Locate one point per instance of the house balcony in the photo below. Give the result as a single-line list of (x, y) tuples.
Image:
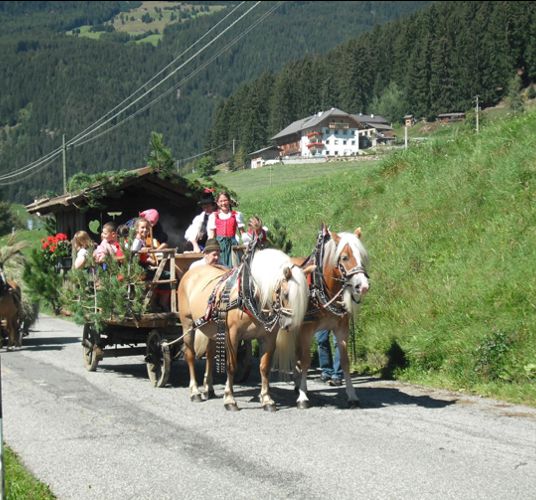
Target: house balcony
[(315, 145), (315, 133)]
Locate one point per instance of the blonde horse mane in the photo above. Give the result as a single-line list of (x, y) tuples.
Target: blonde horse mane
[(268, 271)]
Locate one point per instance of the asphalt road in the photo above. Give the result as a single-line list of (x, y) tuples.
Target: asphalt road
[(111, 435)]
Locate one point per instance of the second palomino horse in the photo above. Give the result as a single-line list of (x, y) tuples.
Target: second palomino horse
[(266, 295), (339, 282)]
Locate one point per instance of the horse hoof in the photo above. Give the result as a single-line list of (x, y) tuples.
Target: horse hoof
[(271, 407), (209, 395), (196, 398), (354, 404), (303, 405), (231, 407)]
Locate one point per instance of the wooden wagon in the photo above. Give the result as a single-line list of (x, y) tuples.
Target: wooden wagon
[(156, 335)]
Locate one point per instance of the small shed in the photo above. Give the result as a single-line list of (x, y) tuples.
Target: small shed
[(174, 198)]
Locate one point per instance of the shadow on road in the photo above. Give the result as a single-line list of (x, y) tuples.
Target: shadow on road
[(320, 394), (46, 343)]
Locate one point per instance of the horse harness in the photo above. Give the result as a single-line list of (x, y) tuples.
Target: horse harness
[(219, 303), (318, 292)]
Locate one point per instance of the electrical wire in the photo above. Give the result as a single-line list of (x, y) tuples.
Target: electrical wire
[(92, 128), (160, 72), (35, 164), (185, 79)]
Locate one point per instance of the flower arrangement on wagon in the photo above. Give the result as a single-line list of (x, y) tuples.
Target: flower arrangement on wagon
[(56, 248), (115, 290), (41, 270)]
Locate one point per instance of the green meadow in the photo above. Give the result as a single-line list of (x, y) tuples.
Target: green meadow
[(450, 226)]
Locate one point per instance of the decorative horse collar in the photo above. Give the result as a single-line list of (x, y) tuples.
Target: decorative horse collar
[(219, 301)]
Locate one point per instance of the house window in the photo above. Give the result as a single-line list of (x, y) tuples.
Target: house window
[(336, 142), (336, 153), (327, 142), (353, 143), (344, 142)]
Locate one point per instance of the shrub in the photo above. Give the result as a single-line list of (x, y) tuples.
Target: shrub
[(42, 270)]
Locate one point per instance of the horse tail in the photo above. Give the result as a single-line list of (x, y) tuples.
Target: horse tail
[(285, 353)]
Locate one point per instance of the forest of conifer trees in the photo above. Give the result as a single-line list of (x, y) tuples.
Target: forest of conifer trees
[(435, 62), (54, 84)]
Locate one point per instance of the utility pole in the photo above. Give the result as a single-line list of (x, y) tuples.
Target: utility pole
[(476, 111), (405, 137), (64, 155), (233, 147)]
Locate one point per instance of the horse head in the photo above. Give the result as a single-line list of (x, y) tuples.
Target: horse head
[(280, 286), (347, 258)]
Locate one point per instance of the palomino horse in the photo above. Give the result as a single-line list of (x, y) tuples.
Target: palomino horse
[(265, 294), (338, 284), (10, 309)]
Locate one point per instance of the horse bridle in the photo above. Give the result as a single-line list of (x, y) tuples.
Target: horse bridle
[(319, 288)]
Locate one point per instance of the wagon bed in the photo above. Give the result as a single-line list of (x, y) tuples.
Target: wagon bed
[(156, 335)]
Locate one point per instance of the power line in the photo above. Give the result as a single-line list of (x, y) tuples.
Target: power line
[(87, 132), (185, 79), (161, 71), (108, 120)]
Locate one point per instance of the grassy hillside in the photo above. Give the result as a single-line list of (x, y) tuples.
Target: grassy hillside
[(451, 230)]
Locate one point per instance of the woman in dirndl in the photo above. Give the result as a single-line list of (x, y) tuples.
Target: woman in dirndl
[(226, 225)]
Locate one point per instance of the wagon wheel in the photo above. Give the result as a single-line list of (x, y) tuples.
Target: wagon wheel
[(90, 350), (243, 365), (158, 359)]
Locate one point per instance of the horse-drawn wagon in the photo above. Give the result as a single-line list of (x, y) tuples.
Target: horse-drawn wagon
[(155, 335)]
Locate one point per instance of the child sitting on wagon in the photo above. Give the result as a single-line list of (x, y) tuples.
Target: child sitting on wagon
[(109, 244), (139, 245), (256, 230), (81, 244)]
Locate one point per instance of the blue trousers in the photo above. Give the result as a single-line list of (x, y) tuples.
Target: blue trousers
[(330, 366)]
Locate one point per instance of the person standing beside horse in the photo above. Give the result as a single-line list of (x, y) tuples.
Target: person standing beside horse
[(224, 225)]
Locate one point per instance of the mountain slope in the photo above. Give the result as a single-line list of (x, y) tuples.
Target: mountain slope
[(56, 84), (450, 228)]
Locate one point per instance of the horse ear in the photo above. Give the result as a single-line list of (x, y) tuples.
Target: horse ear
[(357, 232), (309, 269), (287, 273), (335, 237)]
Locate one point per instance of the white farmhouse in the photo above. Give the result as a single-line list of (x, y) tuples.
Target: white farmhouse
[(327, 133)]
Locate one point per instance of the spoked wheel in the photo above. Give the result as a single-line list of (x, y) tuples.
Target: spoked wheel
[(158, 359), (244, 359), (90, 350)]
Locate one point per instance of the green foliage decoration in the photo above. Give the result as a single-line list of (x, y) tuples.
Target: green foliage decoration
[(206, 166), (97, 186), (99, 293), (42, 271), (278, 237), (160, 158)]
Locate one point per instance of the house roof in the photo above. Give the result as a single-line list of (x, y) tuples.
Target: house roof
[(172, 191), (314, 120), (263, 150), (370, 118)]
